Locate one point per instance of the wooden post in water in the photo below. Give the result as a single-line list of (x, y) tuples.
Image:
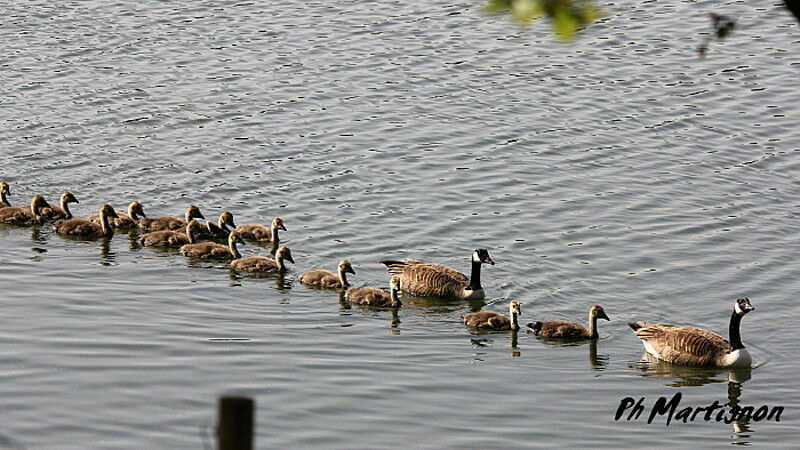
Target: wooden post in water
[(235, 427)]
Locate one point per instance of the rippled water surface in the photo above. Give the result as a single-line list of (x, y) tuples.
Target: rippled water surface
[(620, 170)]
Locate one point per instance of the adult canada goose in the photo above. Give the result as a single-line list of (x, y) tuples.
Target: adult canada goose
[(687, 346), (490, 320), (125, 221), (212, 250), (436, 280), (170, 222), (86, 228), (326, 279), (220, 229), (262, 264), (169, 238), (25, 215), (5, 191), (53, 213), (563, 329), (369, 296), (260, 232)]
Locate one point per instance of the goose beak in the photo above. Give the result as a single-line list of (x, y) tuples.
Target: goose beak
[(489, 260)]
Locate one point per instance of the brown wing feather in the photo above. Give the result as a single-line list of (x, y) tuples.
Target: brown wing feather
[(682, 345), (164, 238), (18, 215), (79, 227), (207, 250), (162, 223), (487, 320), (256, 264), (436, 280), (321, 278), (368, 296)]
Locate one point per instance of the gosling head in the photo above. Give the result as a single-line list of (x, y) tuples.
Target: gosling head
[(4, 188), (515, 307), (37, 203), (742, 306), (193, 212), (284, 254), (598, 311), (481, 256), (227, 218), (277, 223), (68, 197), (233, 238), (108, 211), (394, 283), (136, 209), (345, 266), (193, 227)]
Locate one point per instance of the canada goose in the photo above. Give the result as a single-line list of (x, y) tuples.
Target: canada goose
[(369, 296), (87, 228), (169, 238), (436, 280), (687, 346), (25, 215), (220, 229), (212, 250), (326, 279), (490, 320), (260, 232), (5, 190), (125, 221), (563, 329), (262, 264), (169, 222), (53, 213)]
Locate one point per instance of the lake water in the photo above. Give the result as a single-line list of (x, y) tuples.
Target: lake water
[(621, 170)]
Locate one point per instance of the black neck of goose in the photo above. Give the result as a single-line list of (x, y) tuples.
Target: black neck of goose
[(475, 277), (733, 330)]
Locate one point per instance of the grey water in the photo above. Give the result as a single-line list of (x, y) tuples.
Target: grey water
[(622, 170)]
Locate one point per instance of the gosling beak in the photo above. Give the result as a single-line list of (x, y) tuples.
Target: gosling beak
[(603, 315), (290, 259), (282, 227), (350, 270)]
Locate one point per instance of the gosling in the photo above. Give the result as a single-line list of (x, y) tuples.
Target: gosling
[(369, 296), (212, 250), (262, 264), (325, 279)]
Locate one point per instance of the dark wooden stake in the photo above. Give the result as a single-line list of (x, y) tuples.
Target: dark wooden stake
[(235, 427)]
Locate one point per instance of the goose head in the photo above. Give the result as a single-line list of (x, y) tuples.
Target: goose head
[(226, 218), (284, 254), (108, 211), (597, 311), (68, 197), (193, 212), (346, 267), (481, 256), (277, 224), (742, 306), (136, 209)]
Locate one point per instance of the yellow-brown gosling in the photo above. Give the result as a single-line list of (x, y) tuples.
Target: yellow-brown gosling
[(218, 230), (212, 250), (125, 221), (326, 279), (436, 280), (262, 264), (369, 296), (5, 191), (490, 320), (570, 330), (86, 228), (169, 222), (696, 347), (53, 213), (25, 215), (171, 239), (260, 232)]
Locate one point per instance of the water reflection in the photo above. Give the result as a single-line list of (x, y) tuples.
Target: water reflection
[(513, 341), (107, 257), (596, 362)]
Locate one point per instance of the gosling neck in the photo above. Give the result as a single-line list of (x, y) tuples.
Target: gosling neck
[(234, 250), (593, 326), (274, 234), (279, 262), (222, 225), (190, 235), (132, 214), (395, 299), (733, 330), (107, 230), (65, 207), (3, 199), (514, 320), (343, 278), (475, 277)]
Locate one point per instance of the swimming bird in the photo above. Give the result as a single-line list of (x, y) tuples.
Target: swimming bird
[(5, 190), (53, 213), (563, 329), (170, 222), (262, 264), (218, 230), (169, 238), (260, 232), (212, 250), (326, 279), (436, 280), (696, 347), (369, 296), (125, 221), (25, 216), (490, 320), (86, 228)]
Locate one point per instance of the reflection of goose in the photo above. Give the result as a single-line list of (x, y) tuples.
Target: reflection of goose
[(490, 320), (4, 191), (125, 221), (25, 216), (260, 232), (562, 329), (696, 347), (436, 280), (326, 279), (212, 250), (169, 238), (86, 228), (262, 264), (169, 222), (369, 296)]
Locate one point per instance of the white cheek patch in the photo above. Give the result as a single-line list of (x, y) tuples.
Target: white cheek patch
[(475, 257), (738, 309)]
